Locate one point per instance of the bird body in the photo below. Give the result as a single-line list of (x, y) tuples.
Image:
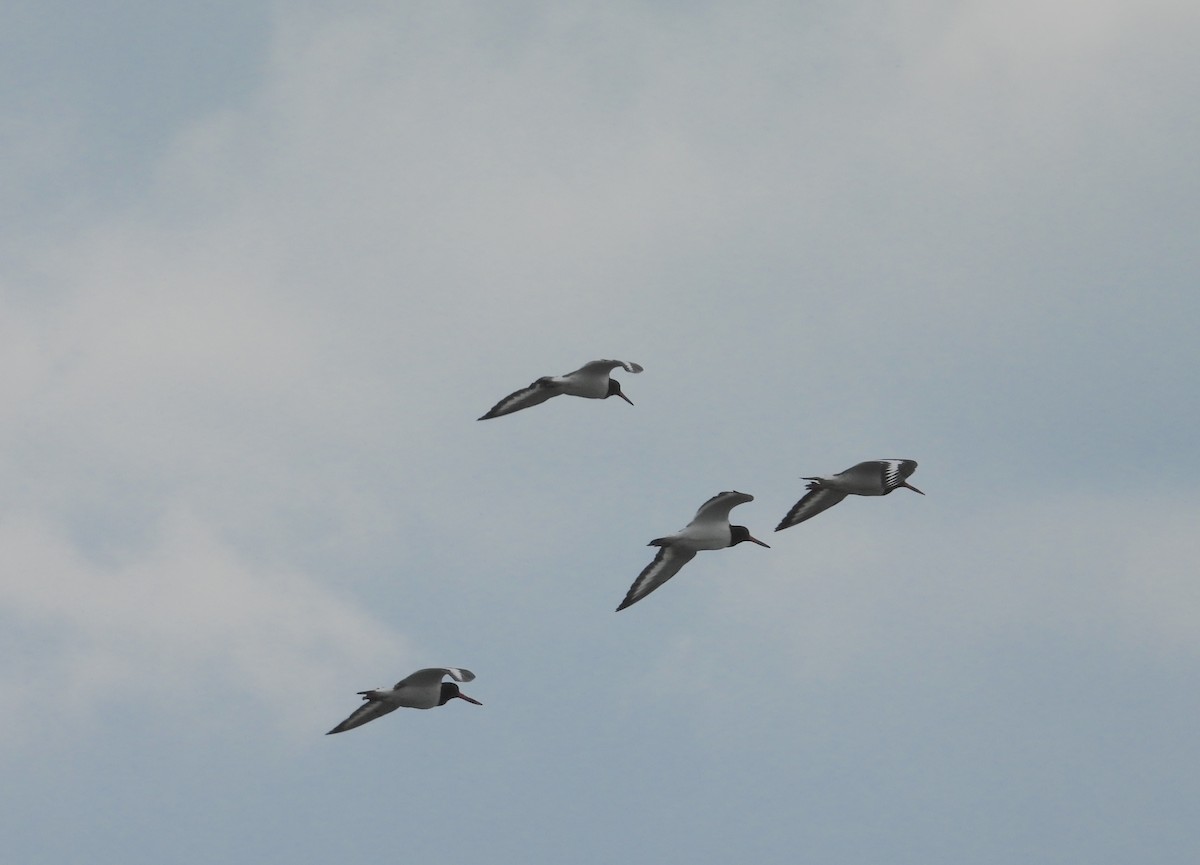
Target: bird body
[(709, 530), (590, 381), (870, 478), (424, 689)]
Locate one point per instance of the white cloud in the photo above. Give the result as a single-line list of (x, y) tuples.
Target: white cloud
[(847, 589), (288, 336), (184, 626), (1157, 595), (239, 402)]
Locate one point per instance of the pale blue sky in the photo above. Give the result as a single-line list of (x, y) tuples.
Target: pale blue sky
[(264, 264)]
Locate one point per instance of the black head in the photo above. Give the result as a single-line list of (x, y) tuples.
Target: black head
[(614, 389), (450, 691), (741, 533)]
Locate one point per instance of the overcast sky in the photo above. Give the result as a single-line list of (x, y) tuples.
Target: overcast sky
[(263, 265)]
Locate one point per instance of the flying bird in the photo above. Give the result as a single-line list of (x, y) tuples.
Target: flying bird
[(424, 689), (872, 478), (591, 381), (710, 530)]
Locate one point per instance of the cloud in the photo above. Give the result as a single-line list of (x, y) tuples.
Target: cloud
[(846, 590), (282, 343), (182, 626)]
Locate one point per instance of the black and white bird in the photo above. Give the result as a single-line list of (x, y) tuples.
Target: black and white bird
[(424, 689), (591, 381), (710, 530), (871, 478)]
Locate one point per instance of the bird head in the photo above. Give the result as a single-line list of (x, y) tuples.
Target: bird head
[(614, 389), (737, 534), (450, 691)]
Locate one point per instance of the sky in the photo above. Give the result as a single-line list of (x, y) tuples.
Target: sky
[(264, 264)]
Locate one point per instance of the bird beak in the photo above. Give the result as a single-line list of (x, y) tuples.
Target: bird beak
[(757, 541), (463, 696), (622, 396), (911, 487)]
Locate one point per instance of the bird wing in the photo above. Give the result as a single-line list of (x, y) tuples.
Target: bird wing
[(866, 474), (665, 565), (895, 472), (431, 676), (718, 507), (820, 499), (607, 366), (882, 474), (527, 397), (370, 710)]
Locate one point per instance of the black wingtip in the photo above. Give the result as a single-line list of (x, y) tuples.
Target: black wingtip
[(628, 602)]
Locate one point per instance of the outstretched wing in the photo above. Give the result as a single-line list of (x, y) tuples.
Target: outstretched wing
[(368, 711), (607, 366), (820, 499), (878, 476), (431, 676), (527, 397), (665, 565), (896, 472), (718, 507)]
